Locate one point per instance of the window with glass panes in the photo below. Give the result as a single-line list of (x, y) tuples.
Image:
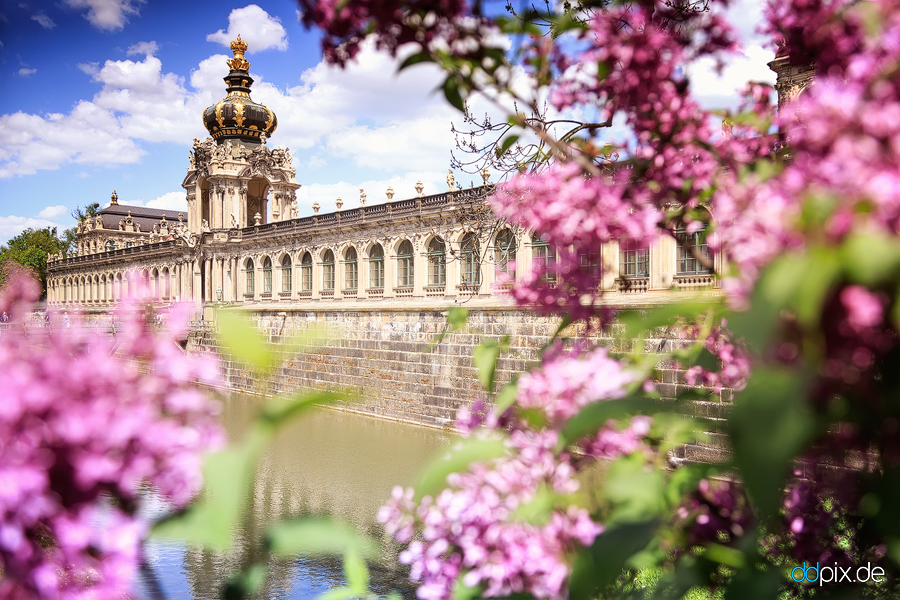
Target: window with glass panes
[(470, 266), (249, 277), (589, 259), (689, 246), (437, 262), (267, 275), (504, 250), (376, 267), (328, 270), (306, 279), (634, 262), (543, 257), (405, 264), (286, 273), (351, 270)]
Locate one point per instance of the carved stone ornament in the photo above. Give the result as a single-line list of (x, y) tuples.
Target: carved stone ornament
[(362, 197), (485, 175), (420, 187), (315, 207), (205, 225), (451, 179), (257, 219), (339, 203), (389, 193)]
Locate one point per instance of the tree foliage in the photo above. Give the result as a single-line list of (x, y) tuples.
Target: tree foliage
[(30, 249)]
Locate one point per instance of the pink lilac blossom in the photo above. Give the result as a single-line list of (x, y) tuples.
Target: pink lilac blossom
[(85, 421), (472, 529), (568, 382), (734, 360)]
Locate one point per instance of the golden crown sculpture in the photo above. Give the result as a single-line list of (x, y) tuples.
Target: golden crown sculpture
[(238, 63)]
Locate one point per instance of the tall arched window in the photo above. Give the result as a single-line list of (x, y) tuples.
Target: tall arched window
[(405, 264), (543, 257), (351, 269), (154, 290), (690, 245), (470, 265), (267, 275), (504, 250), (286, 273), (437, 262), (328, 270), (249, 279), (167, 283), (306, 273), (376, 267)]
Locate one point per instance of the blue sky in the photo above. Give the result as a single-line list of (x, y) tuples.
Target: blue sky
[(107, 94)]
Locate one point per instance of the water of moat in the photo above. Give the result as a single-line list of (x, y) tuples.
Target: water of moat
[(328, 462)]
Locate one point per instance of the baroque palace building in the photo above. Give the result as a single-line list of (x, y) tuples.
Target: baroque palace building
[(243, 242)]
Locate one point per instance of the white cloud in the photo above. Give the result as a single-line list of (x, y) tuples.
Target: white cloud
[(108, 15), (51, 212), (23, 72), (91, 68), (145, 48), (260, 30), (44, 21), (720, 91), (12, 226), (169, 201)]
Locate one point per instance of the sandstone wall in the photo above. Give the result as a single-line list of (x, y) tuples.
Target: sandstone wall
[(383, 356)]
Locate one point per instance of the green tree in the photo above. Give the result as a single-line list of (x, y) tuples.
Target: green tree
[(70, 235), (30, 250)]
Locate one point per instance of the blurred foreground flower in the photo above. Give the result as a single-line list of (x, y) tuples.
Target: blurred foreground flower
[(87, 420)]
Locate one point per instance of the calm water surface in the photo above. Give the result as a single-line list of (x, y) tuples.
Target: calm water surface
[(327, 462)]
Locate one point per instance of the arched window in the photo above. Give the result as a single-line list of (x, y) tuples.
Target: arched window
[(306, 273), (504, 250), (689, 246), (154, 290), (328, 270), (543, 257), (110, 245), (437, 262), (286, 273), (470, 260), (167, 283), (376, 267), (267, 275), (405, 264), (250, 279), (351, 269), (634, 262)]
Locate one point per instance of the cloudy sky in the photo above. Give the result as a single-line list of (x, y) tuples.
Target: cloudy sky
[(107, 94)]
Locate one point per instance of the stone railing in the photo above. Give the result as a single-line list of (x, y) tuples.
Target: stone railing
[(633, 285), (694, 282), (435, 290), (403, 292)]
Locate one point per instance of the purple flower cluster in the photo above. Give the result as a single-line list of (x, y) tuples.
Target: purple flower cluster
[(473, 529), (85, 422), (717, 512), (734, 360)]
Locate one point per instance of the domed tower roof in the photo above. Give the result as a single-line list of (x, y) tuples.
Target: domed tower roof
[(237, 116)]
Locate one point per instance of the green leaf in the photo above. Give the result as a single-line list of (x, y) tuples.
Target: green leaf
[(415, 59), (318, 537), (457, 460), (356, 572), (451, 91), (769, 426), (507, 144), (600, 565), (507, 396), (635, 489), (463, 592), (870, 258), (210, 521), (456, 317), (246, 583), (280, 410), (592, 417), (484, 357), (239, 338), (724, 555)]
